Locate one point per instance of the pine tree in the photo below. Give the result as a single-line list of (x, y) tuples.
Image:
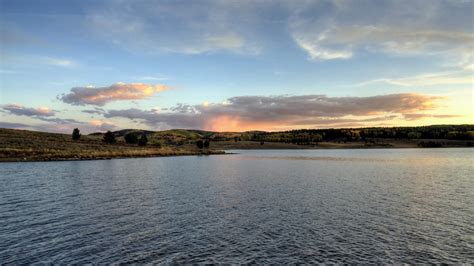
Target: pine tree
[(76, 134)]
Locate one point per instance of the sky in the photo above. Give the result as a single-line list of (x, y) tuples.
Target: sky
[(235, 65)]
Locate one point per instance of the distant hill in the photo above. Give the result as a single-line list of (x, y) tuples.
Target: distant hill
[(310, 136), (176, 135), (25, 145)]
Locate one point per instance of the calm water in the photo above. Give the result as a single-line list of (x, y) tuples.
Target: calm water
[(411, 205)]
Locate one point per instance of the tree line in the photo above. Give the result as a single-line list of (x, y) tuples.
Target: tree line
[(109, 137), (311, 136)]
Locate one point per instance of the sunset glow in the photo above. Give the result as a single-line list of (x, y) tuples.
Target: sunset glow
[(233, 66)]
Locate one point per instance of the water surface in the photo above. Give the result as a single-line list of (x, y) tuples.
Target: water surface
[(292, 206)]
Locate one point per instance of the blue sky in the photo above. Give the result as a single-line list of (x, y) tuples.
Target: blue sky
[(234, 65)]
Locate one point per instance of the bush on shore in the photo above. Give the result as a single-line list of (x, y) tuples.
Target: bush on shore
[(109, 138), (200, 144), (131, 138), (76, 134), (143, 140)]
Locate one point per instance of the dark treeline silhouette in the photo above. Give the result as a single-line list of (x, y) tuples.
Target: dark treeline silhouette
[(313, 136)]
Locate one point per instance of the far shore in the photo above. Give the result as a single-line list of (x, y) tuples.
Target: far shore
[(380, 144), (28, 146)]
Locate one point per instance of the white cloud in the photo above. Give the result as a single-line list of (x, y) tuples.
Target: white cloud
[(346, 39), (59, 62), (102, 125), (316, 52), (411, 28), (429, 79), (229, 41), (14, 60)]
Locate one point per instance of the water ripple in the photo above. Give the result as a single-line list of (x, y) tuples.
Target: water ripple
[(265, 207)]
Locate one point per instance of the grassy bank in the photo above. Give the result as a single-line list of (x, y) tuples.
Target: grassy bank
[(23, 145)]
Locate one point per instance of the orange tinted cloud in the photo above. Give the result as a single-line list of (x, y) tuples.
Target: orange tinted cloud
[(116, 92), (285, 112), (102, 125)]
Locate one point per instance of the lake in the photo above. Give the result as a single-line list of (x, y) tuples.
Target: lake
[(260, 206)]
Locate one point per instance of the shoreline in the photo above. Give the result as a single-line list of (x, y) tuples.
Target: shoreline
[(100, 158), (207, 153), (32, 146), (381, 144), (355, 148)]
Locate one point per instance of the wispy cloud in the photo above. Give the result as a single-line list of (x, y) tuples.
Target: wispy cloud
[(14, 125), (7, 71), (384, 39), (420, 116), (48, 122), (152, 78), (316, 51), (43, 113), (17, 109), (14, 60), (273, 112), (95, 110), (102, 125), (469, 67), (173, 27), (59, 62), (392, 27), (461, 77), (228, 41), (85, 127), (116, 92)]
